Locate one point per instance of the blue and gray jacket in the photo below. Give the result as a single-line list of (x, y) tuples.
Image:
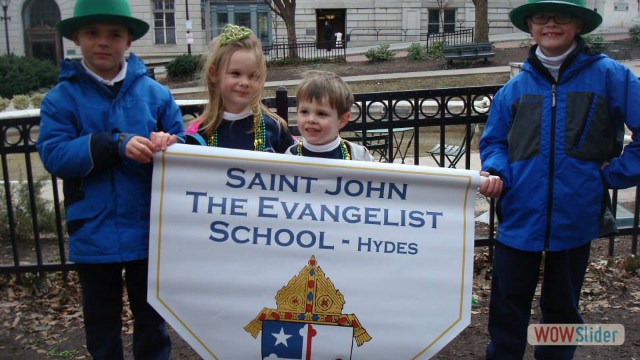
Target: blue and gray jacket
[(548, 139)]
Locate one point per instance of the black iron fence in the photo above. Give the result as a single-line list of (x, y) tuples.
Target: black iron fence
[(328, 50), (390, 34), (337, 49), (397, 126)]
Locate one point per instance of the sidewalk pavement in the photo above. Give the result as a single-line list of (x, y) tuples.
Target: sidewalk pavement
[(502, 41), (386, 76)]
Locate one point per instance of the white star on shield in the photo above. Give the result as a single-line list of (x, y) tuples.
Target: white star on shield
[(281, 337)]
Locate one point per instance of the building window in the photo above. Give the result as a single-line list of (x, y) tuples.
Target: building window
[(262, 30), (43, 15), (448, 16), (434, 21), (254, 16), (222, 19), (164, 21), (449, 20)]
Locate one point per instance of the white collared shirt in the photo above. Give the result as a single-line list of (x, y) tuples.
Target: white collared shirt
[(119, 77)]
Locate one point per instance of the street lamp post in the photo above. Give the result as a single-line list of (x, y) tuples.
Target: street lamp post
[(188, 26), (5, 5)]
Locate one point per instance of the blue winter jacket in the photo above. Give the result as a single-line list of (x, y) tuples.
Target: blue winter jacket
[(547, 141), (83, 132)]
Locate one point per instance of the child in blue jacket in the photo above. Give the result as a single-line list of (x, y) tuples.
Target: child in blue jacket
[(99, 129), (554, 136)]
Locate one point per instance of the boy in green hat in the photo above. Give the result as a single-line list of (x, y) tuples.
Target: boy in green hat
[(99, 129), (555, 137)]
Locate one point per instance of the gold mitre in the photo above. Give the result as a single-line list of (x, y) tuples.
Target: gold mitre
[(310, 297)]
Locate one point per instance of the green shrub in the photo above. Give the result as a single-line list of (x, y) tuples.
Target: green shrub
[(417, 52), (22, 212), (632, 264), (525, 43), (436, 51), (595, 42), (380, 53), (634, 34), (21, 75), (36, 100), (184, 67), (4, 103), (21, 102)]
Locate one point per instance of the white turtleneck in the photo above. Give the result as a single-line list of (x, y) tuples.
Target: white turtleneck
[(322, 148), (553, 63), (233, 117)]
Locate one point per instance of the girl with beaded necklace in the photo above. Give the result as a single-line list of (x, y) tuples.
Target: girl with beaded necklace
[(234, 117), (324, 107)]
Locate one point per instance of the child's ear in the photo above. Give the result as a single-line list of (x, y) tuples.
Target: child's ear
[(529, 26), (212, 75), (344, 119), (579, 26), (75, 37)]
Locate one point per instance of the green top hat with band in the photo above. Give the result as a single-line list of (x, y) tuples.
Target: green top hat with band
[(102, 12), (590, 18)]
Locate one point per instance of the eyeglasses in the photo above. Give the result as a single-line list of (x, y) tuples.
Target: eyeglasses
[(542, 19)]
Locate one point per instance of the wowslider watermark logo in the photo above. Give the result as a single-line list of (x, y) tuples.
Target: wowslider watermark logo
[(575, 334)]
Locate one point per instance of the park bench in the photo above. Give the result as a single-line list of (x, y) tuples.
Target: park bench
[(470, 51)]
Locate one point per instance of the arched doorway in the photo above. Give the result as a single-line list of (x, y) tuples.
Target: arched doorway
[(41, 41)]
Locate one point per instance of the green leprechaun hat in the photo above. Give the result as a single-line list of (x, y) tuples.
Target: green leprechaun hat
[(102, 12), (591, 19)]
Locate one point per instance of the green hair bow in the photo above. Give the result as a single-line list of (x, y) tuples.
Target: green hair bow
[(233, 33)]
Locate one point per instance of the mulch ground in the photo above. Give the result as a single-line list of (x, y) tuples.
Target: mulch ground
[(42, 318)]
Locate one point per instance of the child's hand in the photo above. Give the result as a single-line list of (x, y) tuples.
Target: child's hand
[(140, 149), (161, 140), (490, 186)]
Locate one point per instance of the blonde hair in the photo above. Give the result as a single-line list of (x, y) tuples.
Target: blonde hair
[(320, 85), (218, 60)]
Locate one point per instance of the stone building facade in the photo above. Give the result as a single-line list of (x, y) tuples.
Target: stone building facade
[(187, 26)]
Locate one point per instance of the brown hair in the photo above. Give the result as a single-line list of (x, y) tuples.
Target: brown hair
[(320, 85)]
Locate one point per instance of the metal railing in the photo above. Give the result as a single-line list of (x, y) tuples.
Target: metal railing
[(328, 50), (433, 115), (337, 50), (389, 34)]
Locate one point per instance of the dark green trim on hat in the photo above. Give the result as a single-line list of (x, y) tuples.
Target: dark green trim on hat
[(102, 12), (590, 18)]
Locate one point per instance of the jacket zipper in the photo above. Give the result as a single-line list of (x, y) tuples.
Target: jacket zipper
[(551, 162)]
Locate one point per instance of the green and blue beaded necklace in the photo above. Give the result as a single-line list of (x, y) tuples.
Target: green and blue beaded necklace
[(344, 151), (259, 133)]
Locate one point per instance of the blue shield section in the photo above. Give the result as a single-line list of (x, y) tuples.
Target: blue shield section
[(282, 340), (299, 341)]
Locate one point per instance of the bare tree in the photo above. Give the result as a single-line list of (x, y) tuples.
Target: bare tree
[(481, 33), (276, 21), (442, 4), (286, 9)]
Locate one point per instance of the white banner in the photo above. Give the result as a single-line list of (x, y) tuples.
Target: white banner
[(268, 256)]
